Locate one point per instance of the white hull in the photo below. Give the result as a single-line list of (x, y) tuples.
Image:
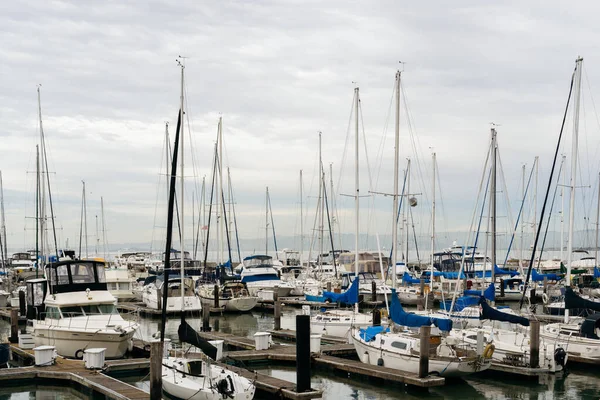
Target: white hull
[(237, 304), (182, 385), (339, 323), (410, 363), (190, 303), (583, 349), (72, 343), (254, 288)]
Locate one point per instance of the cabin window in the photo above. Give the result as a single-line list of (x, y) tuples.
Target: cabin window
[(399, 345), (472, 337), (90, 309), (123, 285), (101, 269), (69, 312), (63, 275), (83, 273), (195, 368), (52, 312), (107, 308)]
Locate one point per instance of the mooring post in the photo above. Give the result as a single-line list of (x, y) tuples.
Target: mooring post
[(545, 284), (14, 325), (156, 357), (376, 317), (277, 311), (302, 353), (424, 352), (421, 303), (22, 304), (216, 296), (329, 286), (534, 344), (373, 291), (206, 318)]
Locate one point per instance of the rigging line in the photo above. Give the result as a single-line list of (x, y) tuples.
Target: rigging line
[(549, 219), (329, 224), (595, 114), (226, 224), (537, 235), (212, 190), (442, 204), (503, 179), (272, 225), (381, 147), (369, 175), (237, 237), (520, 214), (343, 162), (158, 184)]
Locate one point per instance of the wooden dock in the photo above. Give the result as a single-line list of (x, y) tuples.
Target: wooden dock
[(289, 335)]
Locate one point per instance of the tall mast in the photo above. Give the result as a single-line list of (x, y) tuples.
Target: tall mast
[(3, 245), (301, 222), (37, 209), (535, 194), (522, 223), (493, 202), (267, 222), (597, 225), (432, 222), (407, 213), (219, 193), (104, 241), (97, 237), (42, 191), (396, 174), (356, 187), (321, 206), (573, 180), (331, 202), (182, 259), (85, 222), (562, 210)]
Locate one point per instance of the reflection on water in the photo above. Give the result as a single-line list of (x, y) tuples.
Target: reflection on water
[(39, 392)]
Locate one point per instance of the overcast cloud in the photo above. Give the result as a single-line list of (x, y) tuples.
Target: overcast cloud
[(279, 72)]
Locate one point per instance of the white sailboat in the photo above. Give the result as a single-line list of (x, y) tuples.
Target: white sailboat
[(194, 379)]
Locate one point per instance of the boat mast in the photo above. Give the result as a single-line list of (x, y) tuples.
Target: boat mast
[(535, 195), (182, 256), (104, 244), (407, 213), (493, 204), (597, 224), (37, 209), (267, 222), (433, 159), (562, 210), (3, 238), (321, 206), (356, 188), (396, 174), (522, 224), (301, 222), (219, 194), (333, 219), (573, 180)]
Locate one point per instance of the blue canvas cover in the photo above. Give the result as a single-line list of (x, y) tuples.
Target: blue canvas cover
[(409, 279), (460, 303), (370, 332), (488, 312), (537, 277), (596, 272), (489, 293), (401, 317), (350, 296)]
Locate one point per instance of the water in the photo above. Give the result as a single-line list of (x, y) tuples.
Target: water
[(577, 383), (40, 392)]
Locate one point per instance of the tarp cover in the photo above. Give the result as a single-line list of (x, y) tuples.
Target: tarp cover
[(489, 293), (350, 296), (409, 279), (401, 317), (537, 277), (370, 332), (572, 300), (189, 335), (488, 312), (596, 272), (460, 303)]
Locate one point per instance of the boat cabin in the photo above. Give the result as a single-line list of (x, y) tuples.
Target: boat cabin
[(76, 276)]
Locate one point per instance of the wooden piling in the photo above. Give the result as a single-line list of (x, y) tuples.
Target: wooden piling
[(424, 332), (373, 291), (276, 311), (14, 325), (302, 353), (534, 343), (206, 318), (501, 287), (22, 304), (329, 286), (421, 302), (156, 357), (545, 284), (216, 296), (376, 317)]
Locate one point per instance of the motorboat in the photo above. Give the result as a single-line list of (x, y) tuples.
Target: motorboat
[(233, 296), (120, 284), (152, 294), (258, 274), (78, 311)]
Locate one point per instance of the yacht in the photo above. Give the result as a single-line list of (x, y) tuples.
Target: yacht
[(258, 274), (233, 296), (80, 312), (152, 294), (120, 284)]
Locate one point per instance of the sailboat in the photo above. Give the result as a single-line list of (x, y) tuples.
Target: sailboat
[(184, 377)]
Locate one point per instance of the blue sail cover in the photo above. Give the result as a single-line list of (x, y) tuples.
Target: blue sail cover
[(460, 303), (489, 293), (537, 277), (488, 312), (500, 271), (409, 279), (350, 296), (401, 317), (435, 273), (370, 332), (596, 272)]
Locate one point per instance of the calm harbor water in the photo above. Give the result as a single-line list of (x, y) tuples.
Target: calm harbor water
[(576, 383)]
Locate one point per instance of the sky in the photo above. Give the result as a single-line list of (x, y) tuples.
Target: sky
[(279, 72)]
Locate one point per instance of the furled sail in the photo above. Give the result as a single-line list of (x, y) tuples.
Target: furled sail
[(572, 300), (350, 296), (187, 334), (401, 317), (488, 312)]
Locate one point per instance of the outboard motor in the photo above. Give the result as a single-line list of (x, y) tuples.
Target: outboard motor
[(560, 356)]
